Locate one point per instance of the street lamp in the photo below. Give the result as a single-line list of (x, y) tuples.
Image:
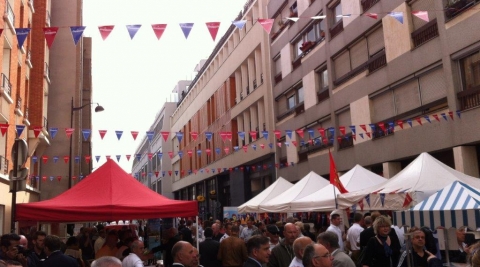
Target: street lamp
[(98, 108)]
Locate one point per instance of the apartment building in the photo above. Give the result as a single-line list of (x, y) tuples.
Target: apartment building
[(15, 109), (151, 160), (375, 82), (230, 94)]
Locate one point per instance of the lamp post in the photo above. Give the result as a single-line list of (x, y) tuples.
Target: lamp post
[(98, 108)]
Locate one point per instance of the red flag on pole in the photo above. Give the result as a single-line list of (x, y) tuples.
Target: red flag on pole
[(334, 175)]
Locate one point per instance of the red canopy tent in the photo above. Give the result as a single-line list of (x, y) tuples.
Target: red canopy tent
[(107, 194)]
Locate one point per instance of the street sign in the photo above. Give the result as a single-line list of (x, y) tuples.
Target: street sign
[(19, 152)]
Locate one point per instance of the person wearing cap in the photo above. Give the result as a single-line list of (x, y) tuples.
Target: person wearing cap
[(273, 234), (335, 227)]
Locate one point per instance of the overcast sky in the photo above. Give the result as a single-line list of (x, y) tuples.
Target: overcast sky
[(133, 78)]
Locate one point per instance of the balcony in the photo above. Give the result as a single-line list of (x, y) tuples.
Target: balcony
[(454, 8), (9, 16), (379, 133), (3, 165), (47, 19), (336, 29), (31, 5), (18, 107), (469, 98), (347, 141), (317, 144), (299, 109), (278, 78), (46, 73), (425, 33), (367, 4), (377, 61), (28, 59), (323, 95), (6, 89)]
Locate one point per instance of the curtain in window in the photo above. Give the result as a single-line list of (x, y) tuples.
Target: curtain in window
[(407, 97), (383, 107), (433, 86), (375, 41), (359, 53), (342, 64)]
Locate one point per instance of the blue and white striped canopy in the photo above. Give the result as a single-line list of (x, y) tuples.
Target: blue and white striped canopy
[(458, 204)]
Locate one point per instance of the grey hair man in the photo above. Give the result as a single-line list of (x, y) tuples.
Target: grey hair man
[(299, 246), (107, 261), (330, 241)]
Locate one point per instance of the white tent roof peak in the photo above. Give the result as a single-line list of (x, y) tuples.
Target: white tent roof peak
[(307, 185), (275, 189), (359, 177)]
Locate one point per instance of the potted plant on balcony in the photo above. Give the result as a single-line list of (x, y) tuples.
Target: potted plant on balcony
[(306, 46)]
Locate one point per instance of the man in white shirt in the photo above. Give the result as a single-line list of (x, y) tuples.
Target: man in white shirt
[(299, 246), (100, 240), (335, 224), (247, 232), (228, 231), (353, 236), (134, 258)]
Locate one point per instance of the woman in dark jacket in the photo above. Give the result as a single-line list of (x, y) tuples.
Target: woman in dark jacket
[(381, 250)]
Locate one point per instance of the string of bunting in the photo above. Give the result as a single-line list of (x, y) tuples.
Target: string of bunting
[(213, 27)]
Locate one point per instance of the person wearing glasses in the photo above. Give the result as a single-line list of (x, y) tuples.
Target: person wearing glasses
[(134, 259), (317, 255), (330, 241)]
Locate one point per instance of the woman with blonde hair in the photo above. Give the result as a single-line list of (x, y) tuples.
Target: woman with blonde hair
[(473, 258), (381, 250)]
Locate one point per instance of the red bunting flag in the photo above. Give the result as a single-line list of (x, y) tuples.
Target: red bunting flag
[(134, 135), (423, 15), (213, 28), (219, 170), (150, 156), (266, 24), (400, 123), (299, 132), (408, 200), (69, 132), (227, 150), (156, 173), (74, 178), (128, 157), (364, 128), (372, 15), (50, 33), (435, 116), (354, 137), (208, 150), (194, 135), (369, 135), (170, 154), (165, 135), (159, 29), (66, 159), (342, 130), (279, 144), (59, 178), (262, 146), (44, 158), (229, 136), (170, 173), (37, 130), (339, 139), (321, 131), (277, 134), (105, 31), (419, 120), (334, 180), (44, 178), (223, 135), (195, 171), (3, 128), (253, 134), (102, 133), (294, 143), (87, 159), (382, 126), (450, 113), (245, 148), (189, 152)]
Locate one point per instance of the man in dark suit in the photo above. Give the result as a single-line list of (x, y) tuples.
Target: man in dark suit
[(209, 250), (258, 248), (184, 254), (55, 257)]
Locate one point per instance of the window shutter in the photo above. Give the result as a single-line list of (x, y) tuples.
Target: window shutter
[(383, 107), (344, 119), (359, 53), (375, 41), (407, 97), (342, 64), (433, 86)]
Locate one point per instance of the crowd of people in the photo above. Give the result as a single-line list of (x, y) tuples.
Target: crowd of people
[(371, 241)]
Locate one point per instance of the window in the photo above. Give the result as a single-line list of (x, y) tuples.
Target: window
[(337, 13), (294, 10), (455, 7), (323, 92), (278, 68), (300, 95), (337, 16), (309, 37), (470, 74), (291, 102), (470, 71)]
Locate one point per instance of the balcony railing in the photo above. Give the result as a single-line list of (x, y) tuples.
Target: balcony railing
[(46, 73), (469, 98), (336, 29), (425, 33), (377, 61), (19, 103), (3, 165), (6, 85), (278, 78), (9, 12), (367, 4), (347, 141), (323, 95), (378, 132), (455, 8)]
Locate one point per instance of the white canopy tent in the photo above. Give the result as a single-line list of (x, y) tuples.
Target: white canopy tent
[(456, 205), (324, 199), (279, 186), (307, 185), (420, 179)]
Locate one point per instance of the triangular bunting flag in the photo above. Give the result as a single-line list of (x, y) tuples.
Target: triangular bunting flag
[(277, 134), (421, 15), (50, 33), (213, 28), (134, 135), (419, 120), (165, 135), (119, 134), (265, 134), (186, 28), (150, 135), (194, 135), (266, 24), (397, 15), (408, 200), (289, 133), (55, 159), (77, 32), (22, 34), (158, 29), (44, 158), (105, 31), (66, 159), (69, 132), (179, 136), (239, 23), (300, 133), (87, 159), (209, 135), (133, 29), (86, 134), (19, 129), (253, 135), (128, 157), (36, 131), (102, 133), (372, 15)]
